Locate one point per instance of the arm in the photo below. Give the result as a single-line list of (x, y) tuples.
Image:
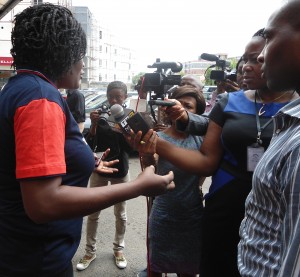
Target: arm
[(203, 162), (185, 121), (48, 199), (195, 125)]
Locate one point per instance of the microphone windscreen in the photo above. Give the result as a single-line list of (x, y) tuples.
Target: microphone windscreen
[(117, 110), (209, 57)]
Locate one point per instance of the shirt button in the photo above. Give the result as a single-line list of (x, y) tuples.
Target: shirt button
[(278, 131)]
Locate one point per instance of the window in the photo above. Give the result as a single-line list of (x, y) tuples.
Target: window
[(37, 2), (100, 35)]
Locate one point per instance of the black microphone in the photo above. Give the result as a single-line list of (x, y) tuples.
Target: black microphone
[(119, 117), (123, 120), (209, 57)]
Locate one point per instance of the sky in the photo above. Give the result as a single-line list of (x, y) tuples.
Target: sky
[(174, 30)]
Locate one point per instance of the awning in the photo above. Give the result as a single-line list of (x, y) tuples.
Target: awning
[(6, 6)]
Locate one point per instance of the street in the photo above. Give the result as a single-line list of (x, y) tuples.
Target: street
[(135, 239)]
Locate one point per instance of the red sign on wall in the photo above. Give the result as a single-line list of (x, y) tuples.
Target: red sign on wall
[(6, 60)]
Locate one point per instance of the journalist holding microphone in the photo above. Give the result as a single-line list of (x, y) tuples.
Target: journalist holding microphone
[(45, 163)]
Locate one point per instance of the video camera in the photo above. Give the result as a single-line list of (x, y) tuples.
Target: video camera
[(162, 79), (104, 113), (221, 74)]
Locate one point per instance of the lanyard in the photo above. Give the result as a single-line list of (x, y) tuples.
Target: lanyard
[(258, 126), (36, 73)]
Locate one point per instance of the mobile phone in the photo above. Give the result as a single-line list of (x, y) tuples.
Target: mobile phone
[(98, 158), (138, 123)]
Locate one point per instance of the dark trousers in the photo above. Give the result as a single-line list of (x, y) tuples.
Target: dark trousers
[(66, 273), (223, 214)]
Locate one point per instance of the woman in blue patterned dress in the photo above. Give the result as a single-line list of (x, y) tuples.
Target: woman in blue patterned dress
[(175, 219)]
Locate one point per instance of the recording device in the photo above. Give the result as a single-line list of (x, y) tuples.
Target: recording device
[(221, 74), (161, 103), (123, 120), (138, 123), (162, 79), (104, 113)]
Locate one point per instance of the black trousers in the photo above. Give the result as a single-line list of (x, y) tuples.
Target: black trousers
[(223, 214), (66, 273)]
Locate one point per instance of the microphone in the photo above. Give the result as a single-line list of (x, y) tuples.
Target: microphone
[(118, 118), (209, 57), (123, 120)]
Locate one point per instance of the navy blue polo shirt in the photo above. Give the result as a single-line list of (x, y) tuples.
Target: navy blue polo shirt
[(39, 138)]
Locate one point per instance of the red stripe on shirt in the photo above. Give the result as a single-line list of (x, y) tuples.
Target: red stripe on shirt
[(40, 139)]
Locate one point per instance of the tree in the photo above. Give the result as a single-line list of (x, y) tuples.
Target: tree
[(136, 78)]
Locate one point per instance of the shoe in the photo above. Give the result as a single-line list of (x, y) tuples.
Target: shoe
[(120, 261), (85, 262)]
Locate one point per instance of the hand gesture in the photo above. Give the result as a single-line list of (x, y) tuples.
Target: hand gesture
[(147, 145), (152, 184), (105, 166)]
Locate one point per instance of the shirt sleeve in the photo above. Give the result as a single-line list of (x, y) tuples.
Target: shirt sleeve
[(197, 125), (217, 112), (40, 138)]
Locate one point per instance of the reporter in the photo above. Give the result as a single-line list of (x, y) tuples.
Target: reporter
[(175, 218), (45, 163), (232, 130)]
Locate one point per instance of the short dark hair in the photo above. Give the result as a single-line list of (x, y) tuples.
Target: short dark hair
[(117, 85), (188, 90), (47, 38)]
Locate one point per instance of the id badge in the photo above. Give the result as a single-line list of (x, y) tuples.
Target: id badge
[(254, 154)]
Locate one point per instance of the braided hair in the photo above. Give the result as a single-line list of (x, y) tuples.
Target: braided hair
[(47, 38)]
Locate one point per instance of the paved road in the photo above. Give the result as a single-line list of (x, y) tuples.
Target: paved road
[(135, 249)]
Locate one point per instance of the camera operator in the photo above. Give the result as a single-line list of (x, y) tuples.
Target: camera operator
[(99, 138)]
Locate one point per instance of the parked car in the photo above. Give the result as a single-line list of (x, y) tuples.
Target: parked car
[(207, 91)]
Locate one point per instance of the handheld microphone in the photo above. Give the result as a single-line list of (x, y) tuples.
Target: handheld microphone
[(119, 117), (161, 103), (123, 120), (209, 57)]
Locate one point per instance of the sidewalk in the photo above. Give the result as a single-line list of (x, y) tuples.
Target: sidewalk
[(135, 249)]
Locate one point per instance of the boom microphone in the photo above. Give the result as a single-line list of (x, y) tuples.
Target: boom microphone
[(209, 57)]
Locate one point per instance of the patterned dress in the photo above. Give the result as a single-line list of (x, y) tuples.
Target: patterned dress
[(175, 219)]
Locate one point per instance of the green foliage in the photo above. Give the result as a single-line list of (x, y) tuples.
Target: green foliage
[(208, 81), (136, 78)]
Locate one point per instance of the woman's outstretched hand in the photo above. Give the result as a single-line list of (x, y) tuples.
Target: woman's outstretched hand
[(152, 184)]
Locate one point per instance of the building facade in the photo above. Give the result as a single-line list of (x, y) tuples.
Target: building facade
[(106, 59)]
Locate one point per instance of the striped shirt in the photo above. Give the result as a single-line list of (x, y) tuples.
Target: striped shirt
[(270, 231)]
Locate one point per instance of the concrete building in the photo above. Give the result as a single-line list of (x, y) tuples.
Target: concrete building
[(106, 58)]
